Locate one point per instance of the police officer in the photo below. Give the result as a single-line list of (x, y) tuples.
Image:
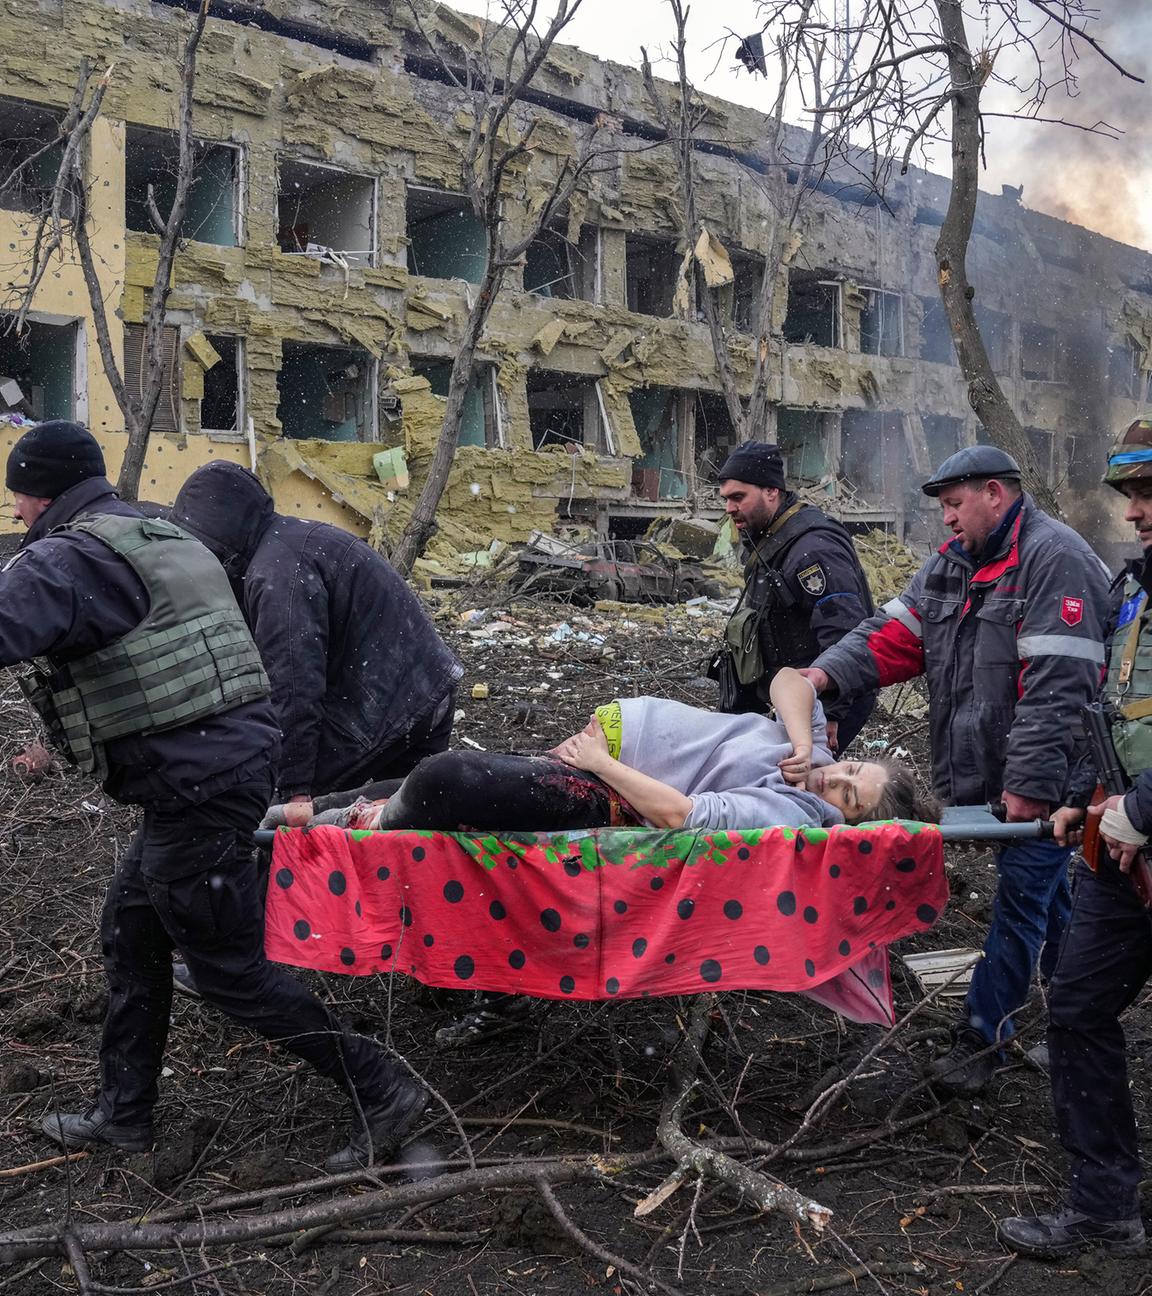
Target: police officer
[(1107, 953), (1006, 622), (153, 684), (804, 588)]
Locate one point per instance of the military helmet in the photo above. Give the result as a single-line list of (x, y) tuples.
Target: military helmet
[(1131, 457)]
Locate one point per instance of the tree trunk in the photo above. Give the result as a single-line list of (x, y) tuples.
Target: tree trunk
[(984, 391)]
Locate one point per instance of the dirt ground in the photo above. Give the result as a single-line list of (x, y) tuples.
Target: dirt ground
[(915, 1188)]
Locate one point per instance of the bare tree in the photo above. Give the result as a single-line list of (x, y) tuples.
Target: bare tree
[(64, 218)]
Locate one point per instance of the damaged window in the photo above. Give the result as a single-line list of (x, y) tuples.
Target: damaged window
[(936, 342), (29, 157), (1038, 350), (814, 309), (714, 434), (941, 435), (882, 323), (650, 272), (482, 420), (657, 413), (38, 369), (1043, 445), (803, 440), (1126, 370), (446, 238), (556, 267), (996, 332), (152, 158), (221, 405), (566, 410), (325, 212), (871, 453), (740, 298), (327, 392), (167, 415)]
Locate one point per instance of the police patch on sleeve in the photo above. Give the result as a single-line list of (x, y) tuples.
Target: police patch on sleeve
[(812, 579)]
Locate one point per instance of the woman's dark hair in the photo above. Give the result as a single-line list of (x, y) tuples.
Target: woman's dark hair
[(903, 797)]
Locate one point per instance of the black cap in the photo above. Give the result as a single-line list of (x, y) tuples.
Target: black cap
[(53, 457), (978, 461), (754, 462)]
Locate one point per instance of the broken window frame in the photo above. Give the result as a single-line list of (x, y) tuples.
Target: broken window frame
[(738, 299), (584, 261), (793, 453), (167, 415), (77, 336), (239, 432), (1126, 378), (601, 438), (837, 286), (368, 394), (995, 328), (932, 308), (1030, 333), (655, 244), (484, 380), (1044, 452), (671, 481), (42, 121), (363, 259), (199, 145), (885, 297), (460, 203)]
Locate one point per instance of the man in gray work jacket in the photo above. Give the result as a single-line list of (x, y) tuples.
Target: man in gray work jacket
[(1006, 622)]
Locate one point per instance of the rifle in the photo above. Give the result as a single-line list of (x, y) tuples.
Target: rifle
[(1097, 719)]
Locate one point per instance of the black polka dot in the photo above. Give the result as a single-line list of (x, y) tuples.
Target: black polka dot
[(639, 945), (669, 958), (657, 883), (550, 920), (513, 862), (834, 870), (860, 905), (497, 910), (572, 866), (429, 940), (927, 913), (337, 882), (567, 984), (786, 903), (906, 865), (810, 914), (845, 948), (347, 957), (581, 940), (383, 872), (406, 915), (385, 953), (359, 911), (743, 853), (620, 906), (516, 959), (453, 892), (301, 930), (418, 852), (800, 843), (464, 967), (890, 905), (809, 967), (733, 909), (284, 878), (864, 847), (686, 908), (761, 955), (710, 970), (612, 986)]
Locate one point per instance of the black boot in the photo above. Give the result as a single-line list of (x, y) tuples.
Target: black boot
[(967, 1067), (379, 1135), (94, 1129), (1053, 1236), (494, 1015)]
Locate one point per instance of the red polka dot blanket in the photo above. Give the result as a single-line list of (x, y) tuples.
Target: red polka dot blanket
[(611, 913)]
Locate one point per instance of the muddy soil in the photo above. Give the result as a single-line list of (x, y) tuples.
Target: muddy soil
[(915, 1205)]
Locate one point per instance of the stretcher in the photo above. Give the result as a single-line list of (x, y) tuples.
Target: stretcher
[(619, 913)]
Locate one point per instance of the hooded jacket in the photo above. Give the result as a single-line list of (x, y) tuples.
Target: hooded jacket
[(353, 658), (1012, 645), (65, 595)]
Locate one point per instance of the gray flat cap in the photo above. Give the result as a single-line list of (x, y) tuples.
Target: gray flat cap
[(972, 461)]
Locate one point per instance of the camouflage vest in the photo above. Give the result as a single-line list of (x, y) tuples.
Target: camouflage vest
[(1129, 683), (191, 657)]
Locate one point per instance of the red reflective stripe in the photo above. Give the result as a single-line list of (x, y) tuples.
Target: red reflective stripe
[(898, 653)]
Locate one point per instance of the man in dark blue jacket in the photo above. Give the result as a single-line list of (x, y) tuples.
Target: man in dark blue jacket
[(362, 684), (153, 684)]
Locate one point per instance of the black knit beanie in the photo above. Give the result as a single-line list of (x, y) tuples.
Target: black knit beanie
[(754, 462), (51, 458)]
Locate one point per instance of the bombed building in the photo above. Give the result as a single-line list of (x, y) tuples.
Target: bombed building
[(329, 260)]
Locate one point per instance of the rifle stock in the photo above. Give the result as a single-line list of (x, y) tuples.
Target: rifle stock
[(1097, 719)]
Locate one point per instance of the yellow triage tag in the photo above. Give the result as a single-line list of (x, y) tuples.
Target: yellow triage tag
[(613, 725)]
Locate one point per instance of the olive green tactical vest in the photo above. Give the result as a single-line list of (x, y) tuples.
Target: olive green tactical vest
[(1129, 684), (191, 657)]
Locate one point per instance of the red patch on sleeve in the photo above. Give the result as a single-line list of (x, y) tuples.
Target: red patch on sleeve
[(1072, 611)]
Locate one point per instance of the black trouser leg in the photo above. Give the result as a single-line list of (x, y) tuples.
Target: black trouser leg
[(853, 720), (1105, 958)]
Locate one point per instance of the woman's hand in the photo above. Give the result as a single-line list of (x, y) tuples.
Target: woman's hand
[(586, 750), (798, 766)]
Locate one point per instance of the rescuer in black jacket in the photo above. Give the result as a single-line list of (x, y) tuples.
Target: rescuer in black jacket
[(153, 684), (804, 588), (363, 686)]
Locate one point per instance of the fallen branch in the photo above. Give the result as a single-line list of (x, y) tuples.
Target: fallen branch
[(846, 1278), (33, 1166)]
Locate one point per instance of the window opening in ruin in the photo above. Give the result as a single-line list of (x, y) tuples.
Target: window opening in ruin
[(1043, 445), (565, 410), (929, 216), (651, 268), (167, 416), (738, 300), (556, 267), (323, 210), (446, 238), (152, 157), (882, 323), (1038, 350), (482, 423), (658, 413), (327, 392), (1126, 376), (996, 332), (27, 132), (942, 436), (815, 313), (221, 406), (803, 440), (872, 455), (714, 436), (255, 16), (38, 369), (936, 343)]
